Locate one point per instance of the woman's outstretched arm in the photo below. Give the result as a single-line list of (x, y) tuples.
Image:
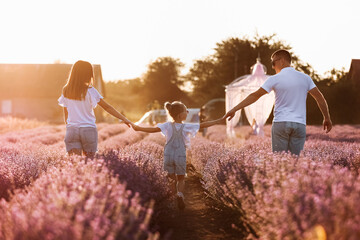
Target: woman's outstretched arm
[(111, 110)]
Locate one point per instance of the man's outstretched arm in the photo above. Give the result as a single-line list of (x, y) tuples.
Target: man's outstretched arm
[(253, 97), (321, 102)]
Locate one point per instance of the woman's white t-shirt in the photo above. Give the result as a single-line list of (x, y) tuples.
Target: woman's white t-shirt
[(189, 130), (81, 112)]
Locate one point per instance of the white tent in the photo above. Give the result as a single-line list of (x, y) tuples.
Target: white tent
[(256, 113)]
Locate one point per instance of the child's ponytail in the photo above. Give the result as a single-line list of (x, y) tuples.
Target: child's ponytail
[(174, 108), (168, 106)]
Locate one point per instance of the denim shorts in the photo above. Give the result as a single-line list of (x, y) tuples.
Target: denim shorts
[(175, 164), (288, 136), (84, 138)]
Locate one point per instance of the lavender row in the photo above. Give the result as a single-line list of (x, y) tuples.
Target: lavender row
[(25, 154), (22, 163), (8, 124), (76, 201), (141, 167), (121, 140), (138, 164), (340, 133), (106, 131), (280, 196), (51, 134)]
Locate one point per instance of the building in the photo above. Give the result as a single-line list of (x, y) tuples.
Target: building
[(354, 72), (32, 90)]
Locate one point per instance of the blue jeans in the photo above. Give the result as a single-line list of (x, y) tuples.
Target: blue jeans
[(288, 136), (83, 138)]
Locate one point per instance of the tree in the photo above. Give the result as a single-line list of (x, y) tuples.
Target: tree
[(126, 97), (341, 95), (162, 81), (233, 58), (204, 80)]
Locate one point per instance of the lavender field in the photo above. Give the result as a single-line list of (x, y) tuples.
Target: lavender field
[(123, 193)]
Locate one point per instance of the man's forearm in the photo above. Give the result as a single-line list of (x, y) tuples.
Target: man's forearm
[(246, 102), (321, 102), (324, 108)]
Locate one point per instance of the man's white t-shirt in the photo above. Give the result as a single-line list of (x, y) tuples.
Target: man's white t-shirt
[(291, 88), (189, 130), (81, 112)]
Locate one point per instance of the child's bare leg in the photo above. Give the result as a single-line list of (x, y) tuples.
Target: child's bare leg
[(180, 183), (75, 151), (172, 180), (180, 193), (89, 154)]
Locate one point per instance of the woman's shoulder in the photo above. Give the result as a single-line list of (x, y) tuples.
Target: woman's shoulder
[(93, 91), (91, 88)]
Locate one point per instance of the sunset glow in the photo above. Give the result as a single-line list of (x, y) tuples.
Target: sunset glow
[(125, 36)]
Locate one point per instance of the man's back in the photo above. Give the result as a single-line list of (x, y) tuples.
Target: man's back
[(291, 88), (288, 131)]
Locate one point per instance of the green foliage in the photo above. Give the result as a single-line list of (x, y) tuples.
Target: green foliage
[(208, 76), (159, 84), (126, 97), (233, 58), (341, 95), (162, 81)]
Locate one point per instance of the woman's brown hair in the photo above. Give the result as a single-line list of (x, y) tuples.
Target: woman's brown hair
[(80, 78)]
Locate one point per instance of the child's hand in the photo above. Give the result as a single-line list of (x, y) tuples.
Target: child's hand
[(230, 114)]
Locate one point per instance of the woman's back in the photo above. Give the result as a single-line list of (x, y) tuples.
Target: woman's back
[(81, 112)]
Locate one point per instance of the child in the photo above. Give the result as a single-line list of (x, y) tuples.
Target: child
[(177, 139), (79, 99)]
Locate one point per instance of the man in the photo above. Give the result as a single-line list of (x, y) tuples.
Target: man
[(291, 88)]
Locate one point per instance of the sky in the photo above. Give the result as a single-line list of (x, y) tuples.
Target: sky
[(125, 36)]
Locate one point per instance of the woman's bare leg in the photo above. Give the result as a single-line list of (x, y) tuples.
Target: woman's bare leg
[(89, 154), (75, 151)]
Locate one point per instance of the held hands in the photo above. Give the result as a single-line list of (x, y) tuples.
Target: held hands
[(135, 127), (126, 121), (222, 120), (230, 114), (131, 124)]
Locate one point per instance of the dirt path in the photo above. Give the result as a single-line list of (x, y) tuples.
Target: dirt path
[(198, 220)]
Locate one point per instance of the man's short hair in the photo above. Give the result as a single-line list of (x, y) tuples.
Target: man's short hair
[(282, 53)]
